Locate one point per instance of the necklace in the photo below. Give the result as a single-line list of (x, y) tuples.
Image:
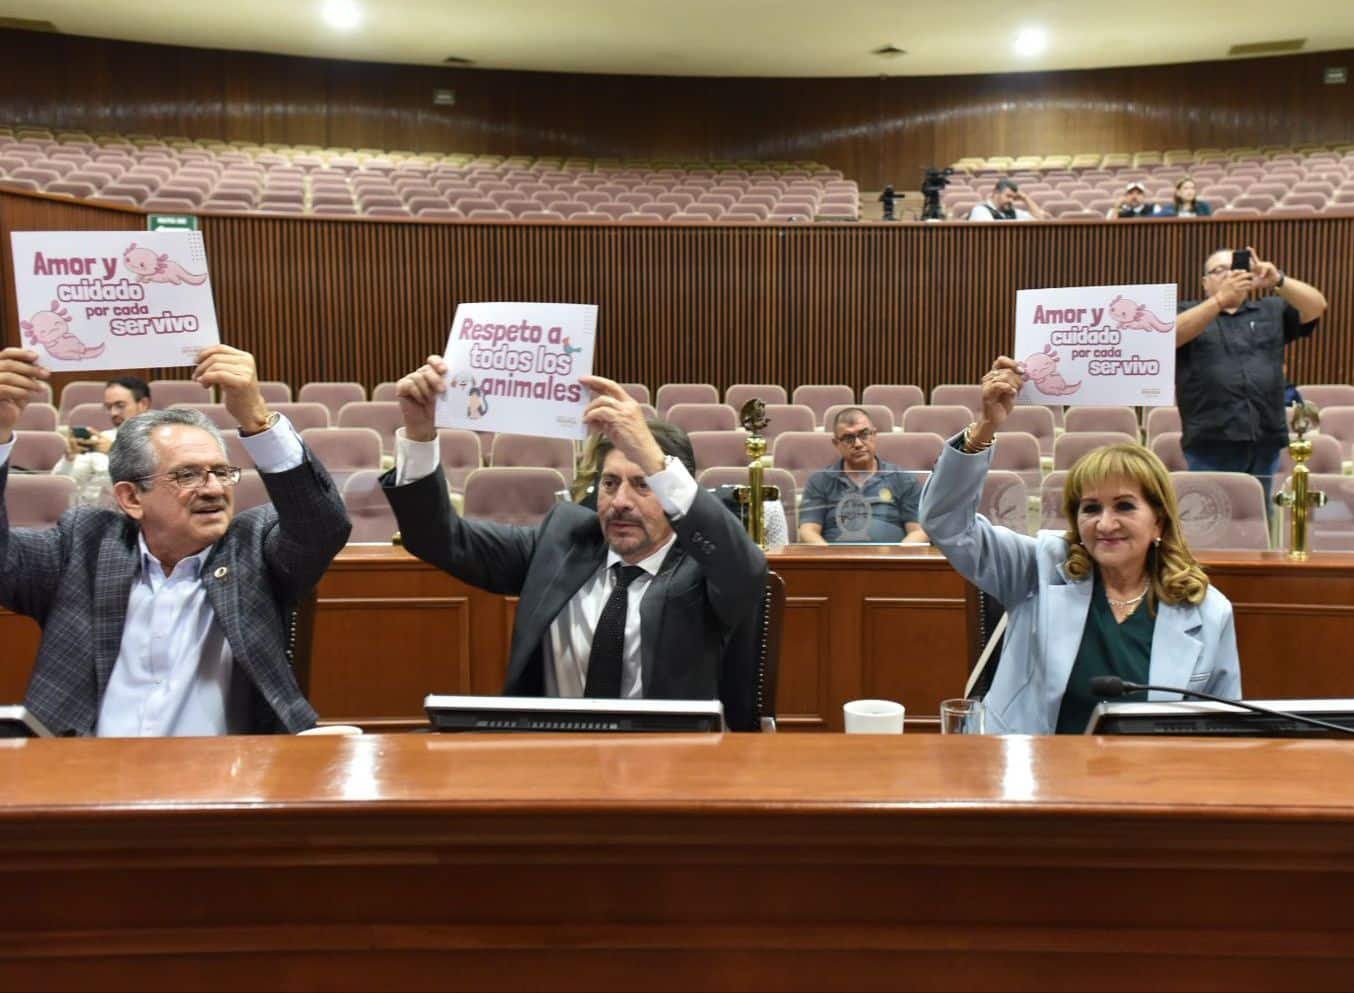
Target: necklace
[(1129, 603)]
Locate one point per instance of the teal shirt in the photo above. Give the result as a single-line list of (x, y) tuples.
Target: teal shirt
[(1108, 648)]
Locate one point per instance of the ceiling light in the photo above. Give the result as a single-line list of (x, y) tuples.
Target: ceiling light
[(1031, 41), (342, 15)]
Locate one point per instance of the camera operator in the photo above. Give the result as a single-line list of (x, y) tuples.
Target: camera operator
[(1007, 203)]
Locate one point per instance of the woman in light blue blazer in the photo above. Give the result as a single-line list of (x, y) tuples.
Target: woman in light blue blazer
[(1117, 594)]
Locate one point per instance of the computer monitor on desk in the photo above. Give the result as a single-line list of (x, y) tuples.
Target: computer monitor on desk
[(510, 714), (1214, 720)]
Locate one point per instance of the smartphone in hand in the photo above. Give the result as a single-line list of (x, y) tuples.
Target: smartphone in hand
[(84, 434), (1241, 259)]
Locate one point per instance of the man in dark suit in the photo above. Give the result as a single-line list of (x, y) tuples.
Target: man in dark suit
[(170, 616), (638, 599)]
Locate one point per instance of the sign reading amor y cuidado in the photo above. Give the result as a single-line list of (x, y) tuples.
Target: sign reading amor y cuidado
[(1104, 345), (113, 299), (514, 367)]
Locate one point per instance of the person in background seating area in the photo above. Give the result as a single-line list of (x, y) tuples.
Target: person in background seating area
[(862, 498), (86, 459), (1186, 202), (1007, 203), (1132, 203)]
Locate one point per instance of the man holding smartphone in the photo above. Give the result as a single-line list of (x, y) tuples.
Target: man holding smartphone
[(86, 459), (1229, 378)]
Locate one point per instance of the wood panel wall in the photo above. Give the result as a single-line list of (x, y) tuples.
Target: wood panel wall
[(877, 130), (367, 300)]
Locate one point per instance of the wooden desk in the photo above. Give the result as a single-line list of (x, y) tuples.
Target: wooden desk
[(722, 862), (888, 622)]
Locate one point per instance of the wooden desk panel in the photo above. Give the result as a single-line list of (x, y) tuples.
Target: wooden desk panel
[(1294, 622), (19, 640), (718, 862)]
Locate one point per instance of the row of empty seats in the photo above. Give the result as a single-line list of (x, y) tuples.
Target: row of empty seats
[(189, 176), (1143, 159)]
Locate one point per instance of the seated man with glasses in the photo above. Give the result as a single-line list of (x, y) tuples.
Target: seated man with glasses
[(170, 616), (862, 498)]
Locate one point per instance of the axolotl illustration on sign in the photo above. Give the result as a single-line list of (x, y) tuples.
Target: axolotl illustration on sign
[(52, 330), (148, 267), (1041, 369), (1132, 316)]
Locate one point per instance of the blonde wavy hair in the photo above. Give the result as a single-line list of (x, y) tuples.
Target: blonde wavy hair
[(588, 467), (1176, 576)]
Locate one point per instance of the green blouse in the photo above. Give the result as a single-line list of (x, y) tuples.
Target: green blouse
[(1108, 648)]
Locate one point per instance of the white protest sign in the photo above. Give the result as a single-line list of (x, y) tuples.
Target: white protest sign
[(113, 299), (1097, 345), (514, 367)]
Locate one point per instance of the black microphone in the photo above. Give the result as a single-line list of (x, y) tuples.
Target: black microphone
[(1112, 686)]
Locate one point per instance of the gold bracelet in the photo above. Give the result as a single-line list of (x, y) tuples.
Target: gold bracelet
[(970, 446)]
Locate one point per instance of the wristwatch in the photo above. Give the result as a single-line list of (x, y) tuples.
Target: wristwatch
[(1282, 278), (270, 423)]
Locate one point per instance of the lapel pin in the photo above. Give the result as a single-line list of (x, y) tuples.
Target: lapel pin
[(220, 572)]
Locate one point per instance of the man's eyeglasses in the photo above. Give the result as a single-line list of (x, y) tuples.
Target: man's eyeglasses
[(195, 479), (864, 434), (1218, 270)]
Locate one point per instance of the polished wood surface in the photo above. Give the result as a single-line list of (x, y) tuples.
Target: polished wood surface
[(877, 129), (890, 622), (858, 304), (710, 862)]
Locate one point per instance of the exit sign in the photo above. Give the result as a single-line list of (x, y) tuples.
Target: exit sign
[(171, 222)]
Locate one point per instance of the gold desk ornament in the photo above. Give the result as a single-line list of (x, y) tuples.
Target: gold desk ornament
[(1300, 500), (753, 417)]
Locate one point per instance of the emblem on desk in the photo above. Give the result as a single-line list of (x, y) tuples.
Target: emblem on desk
[(1205, 512)]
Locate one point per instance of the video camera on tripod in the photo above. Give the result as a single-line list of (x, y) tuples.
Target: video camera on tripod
[(933, 181)]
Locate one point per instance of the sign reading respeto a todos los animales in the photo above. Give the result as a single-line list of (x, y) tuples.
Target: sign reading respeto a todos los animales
[(514, 367), (1103, 345), (113, 299)]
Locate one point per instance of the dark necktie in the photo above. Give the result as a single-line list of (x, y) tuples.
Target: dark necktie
[(608, 641)]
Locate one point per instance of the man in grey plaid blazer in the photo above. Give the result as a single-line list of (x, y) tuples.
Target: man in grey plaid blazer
[(170, 617)]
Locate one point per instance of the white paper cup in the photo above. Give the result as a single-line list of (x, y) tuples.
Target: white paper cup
[(873, 717), (332, 729)]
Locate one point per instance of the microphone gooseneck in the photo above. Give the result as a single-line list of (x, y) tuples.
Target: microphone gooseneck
[(1113, 686)]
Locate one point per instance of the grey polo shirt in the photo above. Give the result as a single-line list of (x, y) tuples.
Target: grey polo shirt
[(878, 511)]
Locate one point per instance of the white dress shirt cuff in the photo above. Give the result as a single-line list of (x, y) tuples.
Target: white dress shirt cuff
[(414, 459), (277, 449), (4, 449), (674, 487)]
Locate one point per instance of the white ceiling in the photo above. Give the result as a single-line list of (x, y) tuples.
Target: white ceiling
[(719, 37)]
